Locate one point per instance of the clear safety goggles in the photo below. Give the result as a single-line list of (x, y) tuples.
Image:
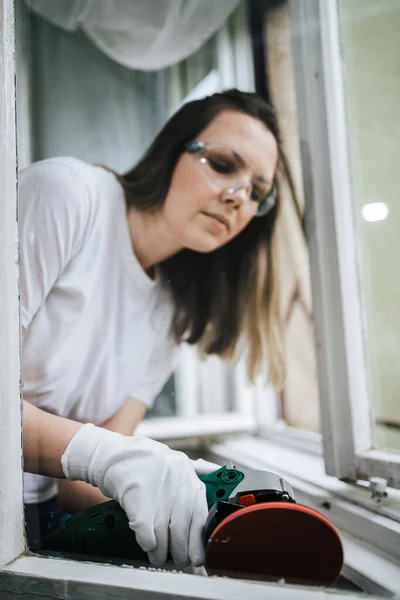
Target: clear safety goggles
[(225, 169)]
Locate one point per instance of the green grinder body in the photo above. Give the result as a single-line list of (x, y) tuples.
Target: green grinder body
[(103, 530)]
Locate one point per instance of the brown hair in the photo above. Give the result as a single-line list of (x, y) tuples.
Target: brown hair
[(231, 294)]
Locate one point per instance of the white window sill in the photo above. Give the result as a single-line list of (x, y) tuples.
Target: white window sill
[(35, 578), (188, 430)]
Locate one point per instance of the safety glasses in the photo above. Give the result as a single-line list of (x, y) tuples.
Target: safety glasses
[(225, 169)]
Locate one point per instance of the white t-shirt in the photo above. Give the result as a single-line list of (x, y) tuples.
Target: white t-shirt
[(97, 327)]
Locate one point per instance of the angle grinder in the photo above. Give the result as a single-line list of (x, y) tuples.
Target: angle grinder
[(254, 530)]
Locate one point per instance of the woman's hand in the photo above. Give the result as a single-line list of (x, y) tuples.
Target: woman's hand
[(158, 488)]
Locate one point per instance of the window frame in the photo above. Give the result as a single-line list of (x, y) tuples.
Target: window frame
[(11, 525), (39, 577), (345, 407)]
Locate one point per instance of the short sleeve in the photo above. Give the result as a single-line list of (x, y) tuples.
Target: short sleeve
[(162, 364), (53, 216)]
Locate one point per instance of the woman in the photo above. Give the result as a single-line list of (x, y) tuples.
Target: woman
[(115, 272)]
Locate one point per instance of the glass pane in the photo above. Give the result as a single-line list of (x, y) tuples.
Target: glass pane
[(371, 56)]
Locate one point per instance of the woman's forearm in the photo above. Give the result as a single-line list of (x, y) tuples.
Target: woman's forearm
[(45, 437)]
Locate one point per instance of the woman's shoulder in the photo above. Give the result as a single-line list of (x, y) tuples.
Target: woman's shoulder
[(67, 182), (62, 169)]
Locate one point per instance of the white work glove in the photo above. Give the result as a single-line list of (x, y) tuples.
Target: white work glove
[(157, 487), (204, 467)]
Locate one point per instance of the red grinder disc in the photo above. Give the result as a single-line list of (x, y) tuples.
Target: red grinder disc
[(274, 541)]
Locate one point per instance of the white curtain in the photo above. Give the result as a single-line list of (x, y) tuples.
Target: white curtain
[(140, 34), (86, 105)]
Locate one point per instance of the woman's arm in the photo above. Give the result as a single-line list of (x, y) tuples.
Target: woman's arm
[(141, 474), (127, 418), (45, 438), (78, 495)]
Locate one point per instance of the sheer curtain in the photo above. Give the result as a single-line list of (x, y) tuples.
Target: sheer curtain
[(140, 34)]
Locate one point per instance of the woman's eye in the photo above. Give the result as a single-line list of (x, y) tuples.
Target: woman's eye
[(257, 194), (221, 166)]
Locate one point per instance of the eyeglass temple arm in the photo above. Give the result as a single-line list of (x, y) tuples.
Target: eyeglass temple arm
[(194, 146)]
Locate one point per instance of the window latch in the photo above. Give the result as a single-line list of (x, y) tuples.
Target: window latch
[(378, 487)]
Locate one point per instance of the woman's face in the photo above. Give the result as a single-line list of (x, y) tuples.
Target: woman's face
[(198, 213)]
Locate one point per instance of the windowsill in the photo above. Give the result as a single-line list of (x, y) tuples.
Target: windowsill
[(38, 578), (370, 537), (292, 437), (189, 431)]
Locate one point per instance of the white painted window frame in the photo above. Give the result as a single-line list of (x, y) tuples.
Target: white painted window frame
[(36, 577), (11, 526), (345, 403)]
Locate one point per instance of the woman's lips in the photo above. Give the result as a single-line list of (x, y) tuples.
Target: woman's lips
[(221, 219)]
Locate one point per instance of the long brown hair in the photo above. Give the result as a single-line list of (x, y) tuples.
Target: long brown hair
[(230, 295)]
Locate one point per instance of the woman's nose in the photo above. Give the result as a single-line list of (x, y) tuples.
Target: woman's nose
[(237, 195)]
